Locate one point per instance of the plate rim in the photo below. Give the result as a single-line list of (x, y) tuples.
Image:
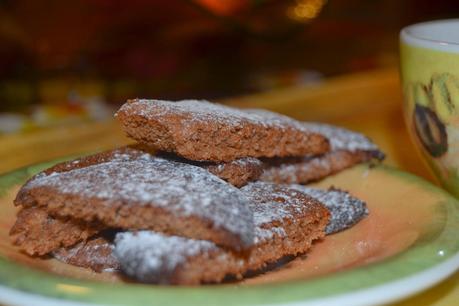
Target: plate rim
[(452, 262), (356, 298)]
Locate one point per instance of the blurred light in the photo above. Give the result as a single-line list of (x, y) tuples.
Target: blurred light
[(305, 10)]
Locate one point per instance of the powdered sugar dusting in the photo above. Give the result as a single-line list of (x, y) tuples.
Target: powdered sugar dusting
[(240, 162), (96, 254), (272, 206), (342, 139), (306, 169), (345, 209), (269, 203), (151, 256), (303, 169), (197, 110), (182, 189), (71, 252), (144, 254)]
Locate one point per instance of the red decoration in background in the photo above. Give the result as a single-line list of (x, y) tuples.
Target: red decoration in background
[(224, 7)]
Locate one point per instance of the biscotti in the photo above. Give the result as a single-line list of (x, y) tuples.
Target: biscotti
[(203, 131), (345, 209), (37, 233), (205, 194), (95, 254), (237, 172), (348, 148), (146, 193), (287, 221)]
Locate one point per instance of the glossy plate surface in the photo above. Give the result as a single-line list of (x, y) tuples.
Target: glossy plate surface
[(408, 243)]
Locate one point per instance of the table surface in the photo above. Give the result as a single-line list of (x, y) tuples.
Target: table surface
[(367, 102)]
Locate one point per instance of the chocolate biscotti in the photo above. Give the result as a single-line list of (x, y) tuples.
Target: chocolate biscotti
[(347, 148), (38, 233), (203, 131), (287, 222), (345, 209), (237, 172), (146, 193), (206, 192), (95, 253)]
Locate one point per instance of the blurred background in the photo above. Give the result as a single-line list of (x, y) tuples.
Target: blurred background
[(63, 62)]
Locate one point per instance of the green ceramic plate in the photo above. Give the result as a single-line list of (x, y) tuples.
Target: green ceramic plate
[(408, 243)]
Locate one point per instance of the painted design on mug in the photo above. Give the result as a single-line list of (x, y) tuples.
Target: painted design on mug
[(435, 120), (435, 108), (430, 130)]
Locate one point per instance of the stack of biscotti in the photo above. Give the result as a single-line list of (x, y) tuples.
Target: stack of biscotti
[(207, 192)]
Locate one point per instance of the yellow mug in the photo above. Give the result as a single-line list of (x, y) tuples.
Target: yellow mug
[(429, 54)]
